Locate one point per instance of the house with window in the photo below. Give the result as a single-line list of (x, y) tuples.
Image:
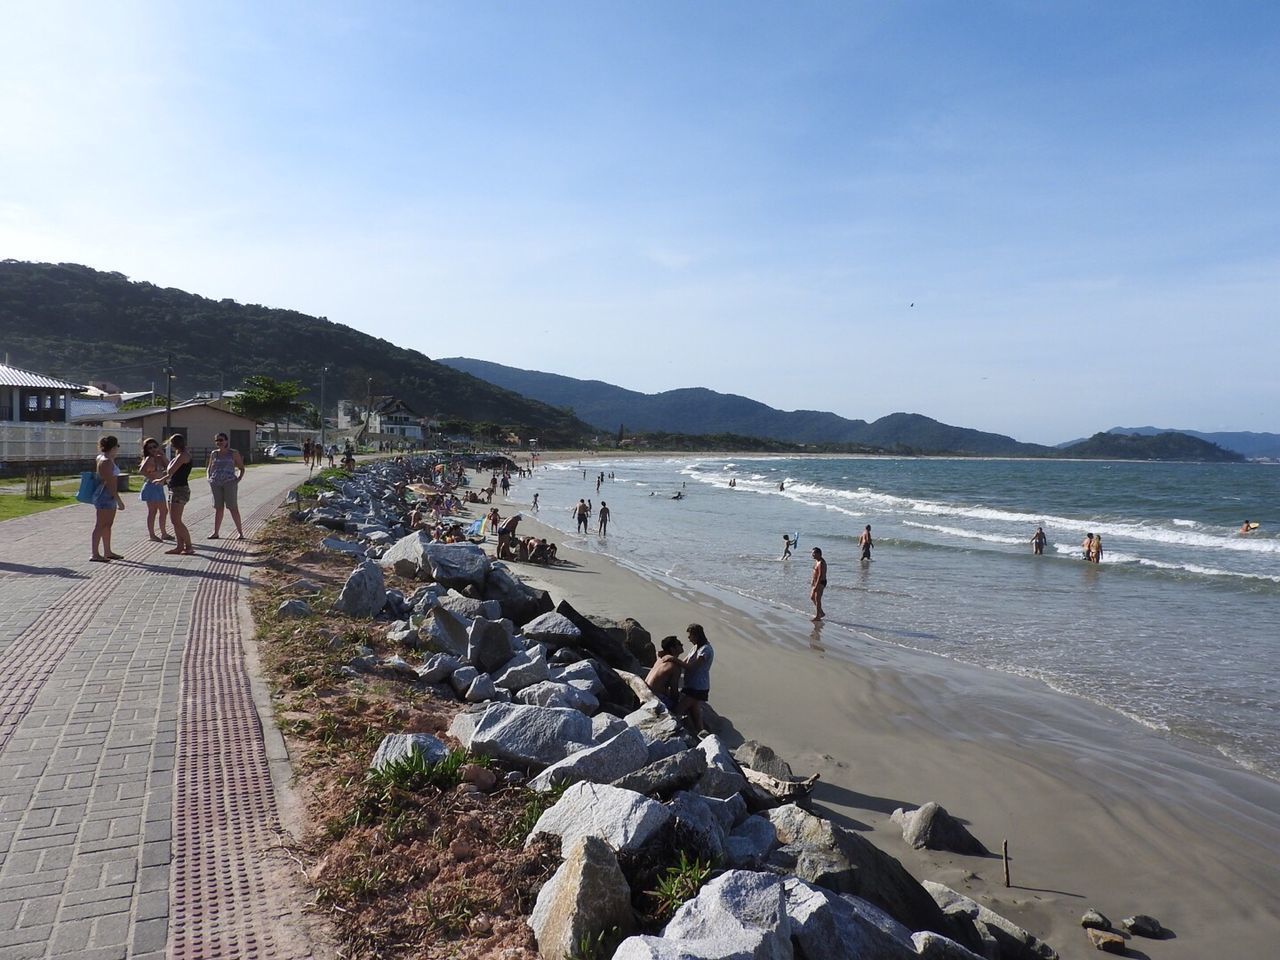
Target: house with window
[(390, 420), (35, 427), (197, 420)]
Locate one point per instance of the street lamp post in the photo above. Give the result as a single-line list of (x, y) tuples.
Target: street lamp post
[(323, 371)]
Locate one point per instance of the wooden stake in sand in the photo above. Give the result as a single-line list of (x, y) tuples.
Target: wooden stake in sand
[(1004, 853)]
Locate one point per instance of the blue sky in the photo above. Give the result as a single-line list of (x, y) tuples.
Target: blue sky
[(1080, 199)]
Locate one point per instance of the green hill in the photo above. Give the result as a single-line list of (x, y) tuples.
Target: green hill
[(72, 321), (699, 411), (1163, 446)]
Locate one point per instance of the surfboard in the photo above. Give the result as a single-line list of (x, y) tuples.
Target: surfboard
[(1254, 525)]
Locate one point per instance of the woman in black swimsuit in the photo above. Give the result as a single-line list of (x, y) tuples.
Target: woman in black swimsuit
[(177, 476)]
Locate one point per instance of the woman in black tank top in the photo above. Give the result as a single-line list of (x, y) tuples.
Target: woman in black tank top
[(176, 477)]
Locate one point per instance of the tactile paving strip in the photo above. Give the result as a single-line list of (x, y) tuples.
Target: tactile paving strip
[(225, 815), (29, 661)]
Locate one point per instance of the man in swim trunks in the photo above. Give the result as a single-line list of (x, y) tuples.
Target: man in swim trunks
[(818, 585), (1038, 541), (664, 677), (582, 512), (864, 541)]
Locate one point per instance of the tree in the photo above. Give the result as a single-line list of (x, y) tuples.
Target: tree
[(269, 400), (621, 434)]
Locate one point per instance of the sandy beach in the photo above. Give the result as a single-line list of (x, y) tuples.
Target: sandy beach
[(1099, 812)]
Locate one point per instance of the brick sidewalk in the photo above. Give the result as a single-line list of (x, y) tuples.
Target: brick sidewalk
[(136, 808)]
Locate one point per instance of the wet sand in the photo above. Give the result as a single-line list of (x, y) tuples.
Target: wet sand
[(1098, 811)]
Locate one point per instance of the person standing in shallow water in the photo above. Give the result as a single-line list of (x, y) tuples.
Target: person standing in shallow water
[(582, 512), (604, 518), (865, 542), (1038, 541), (1087, 546), (697, 676), (818, 584)]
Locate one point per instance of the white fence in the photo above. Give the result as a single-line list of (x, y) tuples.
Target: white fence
[(32, 442)]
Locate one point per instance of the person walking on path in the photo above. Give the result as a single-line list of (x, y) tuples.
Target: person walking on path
[(177, 475), (604, 518), (582, 512), (225, 470), (1038, 541), (106, 500), (697, 676), (864, 541), (151, 494), (818, 584)]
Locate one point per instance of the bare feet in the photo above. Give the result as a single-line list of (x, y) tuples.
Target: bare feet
[(188, 552), (115, 556), (175, 550), (158, 539), (214, 536), (97, 559), (168, 536)]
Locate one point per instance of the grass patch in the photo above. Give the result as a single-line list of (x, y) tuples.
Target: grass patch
[(677, 884), (13, 505)]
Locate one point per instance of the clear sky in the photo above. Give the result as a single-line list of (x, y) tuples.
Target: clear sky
[(1082, 200)]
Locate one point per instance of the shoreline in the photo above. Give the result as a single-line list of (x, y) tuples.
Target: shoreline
[(1099, 811)]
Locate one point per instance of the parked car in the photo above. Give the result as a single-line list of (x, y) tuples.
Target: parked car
[(284, 450)]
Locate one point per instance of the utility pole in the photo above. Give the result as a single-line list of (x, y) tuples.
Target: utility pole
[(168, 403), (323, 371), (368, 409)]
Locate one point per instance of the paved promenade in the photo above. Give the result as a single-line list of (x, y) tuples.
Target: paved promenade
[(136, 805)]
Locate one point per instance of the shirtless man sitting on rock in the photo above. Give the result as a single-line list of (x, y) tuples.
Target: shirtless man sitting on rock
[(664, 677)]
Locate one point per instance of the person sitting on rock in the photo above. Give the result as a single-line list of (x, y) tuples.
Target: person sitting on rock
[(664, 676)]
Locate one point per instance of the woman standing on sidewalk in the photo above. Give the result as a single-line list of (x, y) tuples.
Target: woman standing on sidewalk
[(152, 494), (225, 470), (106, 500), (177, 475)]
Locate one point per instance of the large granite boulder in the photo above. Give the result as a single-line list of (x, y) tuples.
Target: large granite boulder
[(552, 629), (408, 556), (438, 668), (462, 678), (617, 695), (520, 602), (523, 670), (551, 694), (739, 915), (584, 671), (489, 644), (933, 828), (762, 759), (597, 641), (818, 851), (482, 690), (599, 764), (827, 926), (530, 736), (364, 593), (1010, 940), (695, 828), (398, 746), (443, 631), (664, 777), (662, 731), (458, 565), (588, 895), (749, 844), (622, 818), (635, 638), (293, 609), (468, 608), (723, 778)]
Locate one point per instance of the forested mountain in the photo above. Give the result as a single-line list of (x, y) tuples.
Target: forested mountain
[(696, 410), (1241, 441), (72, 321), (1163, 446)]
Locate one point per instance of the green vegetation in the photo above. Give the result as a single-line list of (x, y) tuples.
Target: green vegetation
[(536, 804), (72, 321), (13, 505), (1163, 446), (678, 883), (598, 946)]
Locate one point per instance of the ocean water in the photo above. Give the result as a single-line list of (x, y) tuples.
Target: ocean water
[(1178, 628)]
